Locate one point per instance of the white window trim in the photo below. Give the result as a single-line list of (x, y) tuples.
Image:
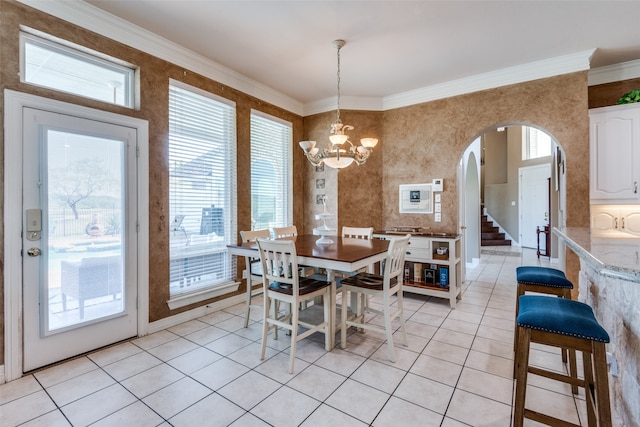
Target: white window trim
[(183, 300)]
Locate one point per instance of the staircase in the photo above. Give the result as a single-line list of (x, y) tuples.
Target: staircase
[(490, 234)]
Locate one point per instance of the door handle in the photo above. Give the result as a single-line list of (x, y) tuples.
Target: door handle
[(34, 252)]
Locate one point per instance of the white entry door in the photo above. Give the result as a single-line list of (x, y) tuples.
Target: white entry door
[(534, 204), (79, 263)]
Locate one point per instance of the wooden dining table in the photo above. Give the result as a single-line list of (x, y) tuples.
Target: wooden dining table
[(344, 254)]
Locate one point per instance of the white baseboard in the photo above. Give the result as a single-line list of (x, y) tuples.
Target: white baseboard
[(170, 321), (474, 263), (2, 377)]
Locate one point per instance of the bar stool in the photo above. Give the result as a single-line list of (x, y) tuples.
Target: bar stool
[(545, 280), (567, 324)]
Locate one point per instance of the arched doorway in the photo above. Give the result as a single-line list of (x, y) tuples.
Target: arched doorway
[(490, 175)]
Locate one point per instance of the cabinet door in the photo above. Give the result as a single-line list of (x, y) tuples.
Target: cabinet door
[(631, 220), (418, 249), (615, 153), (604, 218)]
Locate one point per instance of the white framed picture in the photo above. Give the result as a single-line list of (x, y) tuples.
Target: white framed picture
[(416, 198)]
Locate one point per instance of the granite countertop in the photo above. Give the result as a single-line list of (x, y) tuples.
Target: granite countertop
[(617, 257)]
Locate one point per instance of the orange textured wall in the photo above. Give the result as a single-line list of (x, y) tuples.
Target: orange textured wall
[(426, 141), (154, 85)]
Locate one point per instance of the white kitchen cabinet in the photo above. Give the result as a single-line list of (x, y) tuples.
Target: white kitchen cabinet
[(615, 154), (615, 220)]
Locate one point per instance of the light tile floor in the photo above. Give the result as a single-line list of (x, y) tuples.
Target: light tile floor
[(456, 371)]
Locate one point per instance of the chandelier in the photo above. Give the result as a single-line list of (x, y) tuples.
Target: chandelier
[(334, 155)]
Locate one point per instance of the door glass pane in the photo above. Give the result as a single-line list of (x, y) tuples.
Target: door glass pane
[(84, 223)]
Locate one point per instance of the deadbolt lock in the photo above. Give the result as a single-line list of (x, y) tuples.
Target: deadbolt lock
[(34, 252)]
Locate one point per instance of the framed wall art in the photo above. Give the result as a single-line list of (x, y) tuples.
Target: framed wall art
[(416, 198)]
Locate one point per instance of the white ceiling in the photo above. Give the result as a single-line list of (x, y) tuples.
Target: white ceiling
[(392, 46)]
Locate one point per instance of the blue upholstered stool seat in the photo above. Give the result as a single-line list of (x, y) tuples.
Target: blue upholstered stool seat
[(542, 276), (560, 316)]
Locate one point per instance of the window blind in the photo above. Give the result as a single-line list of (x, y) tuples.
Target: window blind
[(538, 144), (202, 188), (271, 189)]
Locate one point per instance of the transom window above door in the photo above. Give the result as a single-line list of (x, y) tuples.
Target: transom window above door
[(57, 64)]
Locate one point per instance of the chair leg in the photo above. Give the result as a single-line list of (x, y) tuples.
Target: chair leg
[(343, 319), (248, 301), (294, 336), (327, 328), (601, 384), (519, 293), (265, 324), (276, 309), (403, 328), (387, 327), (573, 367), (587, 361), (522, 365)]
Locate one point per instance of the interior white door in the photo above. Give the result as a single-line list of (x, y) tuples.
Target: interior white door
[(79, 235), (534, 204)]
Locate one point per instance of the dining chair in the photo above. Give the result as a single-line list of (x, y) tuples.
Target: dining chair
[(282, 283), (291, 231), (358, 232), (280, 232), (253, 271), (383, 286), (364, 233)]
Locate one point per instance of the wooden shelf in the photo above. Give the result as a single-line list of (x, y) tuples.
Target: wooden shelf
[(427, 286), (422, 252)]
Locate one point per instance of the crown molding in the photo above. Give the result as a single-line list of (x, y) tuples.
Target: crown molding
[(507, 76), (94, 19), (565, 64), (615, 73), (346, 103), (87, 16)]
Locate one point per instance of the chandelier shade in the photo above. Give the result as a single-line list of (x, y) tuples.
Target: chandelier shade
[(334, 155)]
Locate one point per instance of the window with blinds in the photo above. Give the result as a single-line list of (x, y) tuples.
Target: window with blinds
[(202, 188), (536, 143), (271, 192)]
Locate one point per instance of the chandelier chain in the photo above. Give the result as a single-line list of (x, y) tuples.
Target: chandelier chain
[(338, 84)]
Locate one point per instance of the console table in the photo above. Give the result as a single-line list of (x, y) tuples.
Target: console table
[(432, 264)]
